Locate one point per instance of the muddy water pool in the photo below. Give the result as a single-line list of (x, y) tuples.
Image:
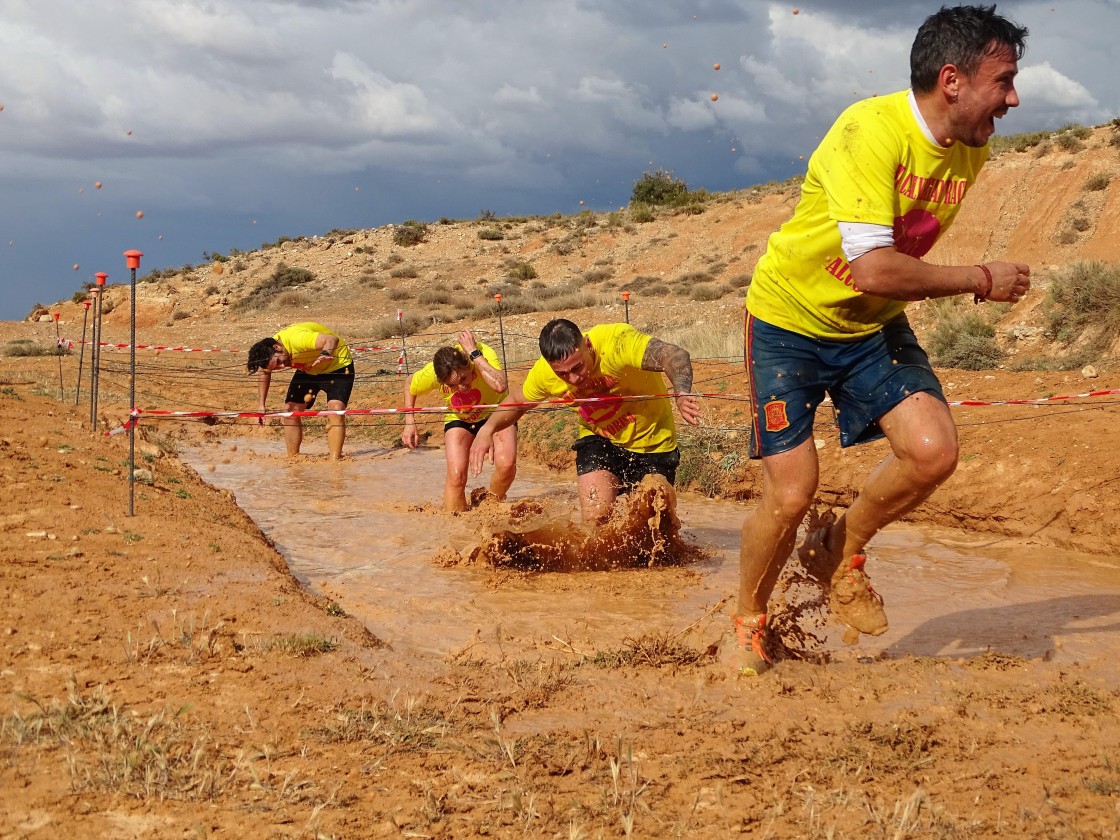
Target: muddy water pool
[(364, 532)]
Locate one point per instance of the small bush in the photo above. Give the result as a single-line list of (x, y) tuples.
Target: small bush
[(706, 292), (739, 281), (410, 233), (1085, 304), (490, 234), (1080, 224), (283, 278), (522, 271), (405, 271), (964, 339), (390, 328), (399, 293), (641, 213), (1097, 182), (27, 347), (292, 298), (659, 187), (434, 296), (211, 290)]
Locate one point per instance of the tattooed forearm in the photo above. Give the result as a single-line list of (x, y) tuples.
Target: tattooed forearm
[(672, 359)]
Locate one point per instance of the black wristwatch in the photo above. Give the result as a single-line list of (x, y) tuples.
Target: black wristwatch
[(474, 354)]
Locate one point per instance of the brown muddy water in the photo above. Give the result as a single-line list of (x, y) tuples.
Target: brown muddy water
[(366, 531)]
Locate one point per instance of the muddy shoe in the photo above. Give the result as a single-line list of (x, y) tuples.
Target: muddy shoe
[(749, 653), (855, 602), (820, 563)]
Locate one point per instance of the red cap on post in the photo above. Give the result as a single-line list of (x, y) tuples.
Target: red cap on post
[(498, 297), (101, 278), (132, 258), (86, 303), (626, 296), (55, 315)]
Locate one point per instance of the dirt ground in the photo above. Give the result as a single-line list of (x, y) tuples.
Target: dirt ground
[(164, 675)]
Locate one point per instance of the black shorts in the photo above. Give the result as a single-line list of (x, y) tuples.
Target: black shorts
[(337, 384), (597, 453), (463, 424)]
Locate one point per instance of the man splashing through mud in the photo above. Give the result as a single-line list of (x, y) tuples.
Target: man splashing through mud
[(627, 436), (825, 314)]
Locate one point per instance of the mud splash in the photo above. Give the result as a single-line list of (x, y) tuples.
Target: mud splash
[(643, 531)]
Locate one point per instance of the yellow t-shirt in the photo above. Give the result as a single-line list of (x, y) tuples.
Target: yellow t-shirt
[(875, 166), (299, 341), (644, 426), (463, 404)]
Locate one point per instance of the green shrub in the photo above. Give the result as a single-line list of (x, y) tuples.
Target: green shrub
[(641, 213), (27, 347), (659, 187), (283, 277), (1085, 304), (964, 339), (491, 234), (410, 233), (522, 271), (1098, 182)]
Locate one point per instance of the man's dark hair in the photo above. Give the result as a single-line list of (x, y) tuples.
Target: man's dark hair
[(559, 339), (260, 354), (963, 36), (447, 360)]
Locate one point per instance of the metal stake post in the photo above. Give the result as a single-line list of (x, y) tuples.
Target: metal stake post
[(404, 349), (626, 303), (82, 353), (132, 259), (502, 337), (58, 352), (95, 360)]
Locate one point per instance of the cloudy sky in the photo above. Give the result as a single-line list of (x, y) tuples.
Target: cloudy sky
[(231, 123)]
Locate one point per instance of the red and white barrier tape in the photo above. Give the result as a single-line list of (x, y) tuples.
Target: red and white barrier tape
[(439, 409)]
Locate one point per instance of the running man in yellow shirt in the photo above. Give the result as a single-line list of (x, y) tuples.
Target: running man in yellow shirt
[(629, 433), (322, 362), (468, 375), (825, 313)]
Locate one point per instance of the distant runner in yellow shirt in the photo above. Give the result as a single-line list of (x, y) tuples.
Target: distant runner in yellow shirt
[(467, 375), (624, 436), (322, 362)]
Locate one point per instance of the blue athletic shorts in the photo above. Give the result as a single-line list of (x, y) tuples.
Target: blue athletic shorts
[(788, 375)]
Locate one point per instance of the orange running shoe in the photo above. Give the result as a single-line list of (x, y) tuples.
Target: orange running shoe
[(751, 658)]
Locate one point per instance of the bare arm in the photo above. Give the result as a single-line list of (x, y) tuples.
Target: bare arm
[(409, 436), (501, 418), (264, 379), (888, 273), (494, 377), (677, 365)]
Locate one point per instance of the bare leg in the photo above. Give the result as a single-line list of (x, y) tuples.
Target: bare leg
[(923, 455), (457, 447), (789, 480), (336, 429), (597, 492), (293, 429), (505, 461)]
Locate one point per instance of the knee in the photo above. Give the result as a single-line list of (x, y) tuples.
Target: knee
[(789, 504), (934, 461), (457, 476)]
